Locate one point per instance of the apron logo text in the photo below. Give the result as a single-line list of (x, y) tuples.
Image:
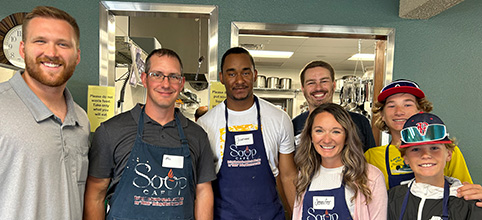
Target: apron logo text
[(244, 157), (158, 184), (326, 216), (156, 201), (243, 154)]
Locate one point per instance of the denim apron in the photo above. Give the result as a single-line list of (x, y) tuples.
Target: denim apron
[(245, 187), (328, 204), (395, 180), (157, 182)]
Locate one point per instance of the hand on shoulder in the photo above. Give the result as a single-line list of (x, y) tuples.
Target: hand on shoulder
[(471, 192)]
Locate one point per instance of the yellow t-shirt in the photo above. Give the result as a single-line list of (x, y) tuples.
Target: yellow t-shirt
[(456, 167)]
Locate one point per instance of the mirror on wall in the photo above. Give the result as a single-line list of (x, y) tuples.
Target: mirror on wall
[(358, 80), (131, 30)]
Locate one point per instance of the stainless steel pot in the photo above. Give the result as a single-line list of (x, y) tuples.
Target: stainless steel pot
[(285, 83), (273, 82), (260, 82)]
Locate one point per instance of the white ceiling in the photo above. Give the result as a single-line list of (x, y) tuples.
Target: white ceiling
[(335, 51)]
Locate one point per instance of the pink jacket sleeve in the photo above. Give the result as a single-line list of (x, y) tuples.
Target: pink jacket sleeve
[(377, 208), (298, 208)]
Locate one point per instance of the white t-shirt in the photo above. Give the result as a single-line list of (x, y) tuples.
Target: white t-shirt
[(331, 178), (276, 128)]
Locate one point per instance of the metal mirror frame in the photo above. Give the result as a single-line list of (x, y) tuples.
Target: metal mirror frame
[(109, 9), (387, 34)]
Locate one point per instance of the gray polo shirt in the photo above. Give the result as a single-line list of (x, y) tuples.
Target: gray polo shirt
[(43, 162)]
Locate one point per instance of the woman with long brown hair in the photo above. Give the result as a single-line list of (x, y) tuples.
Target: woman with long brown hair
[(335, 181)]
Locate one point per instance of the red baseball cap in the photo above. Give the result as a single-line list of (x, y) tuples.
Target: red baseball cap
[(400, 86)]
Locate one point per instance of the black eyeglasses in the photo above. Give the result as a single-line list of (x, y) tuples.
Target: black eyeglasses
[(173, 79)]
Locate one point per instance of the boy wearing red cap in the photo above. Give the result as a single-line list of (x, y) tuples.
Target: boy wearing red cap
[(398, 101)]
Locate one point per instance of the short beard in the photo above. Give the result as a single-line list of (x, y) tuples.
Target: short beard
[(34, 71), (242, 98)]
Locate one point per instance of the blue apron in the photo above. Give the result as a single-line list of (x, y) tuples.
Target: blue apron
[(245, 187), (445, 211), (149, 190), (330, 204), (395, 180)]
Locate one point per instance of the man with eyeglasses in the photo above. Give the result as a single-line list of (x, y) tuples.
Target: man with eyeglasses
[(151, 162)]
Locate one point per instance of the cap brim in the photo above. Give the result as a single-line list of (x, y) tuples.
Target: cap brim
[(427, 142), (401, 89)]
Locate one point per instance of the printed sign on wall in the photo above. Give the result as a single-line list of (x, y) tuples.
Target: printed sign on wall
[(217, 94), (100, 105)]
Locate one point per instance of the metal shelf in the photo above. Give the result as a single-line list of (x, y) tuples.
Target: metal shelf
[(277, 90), (123, 50)]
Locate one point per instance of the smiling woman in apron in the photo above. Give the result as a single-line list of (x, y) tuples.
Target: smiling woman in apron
[(426, 147), (398, 101), (335, 181)]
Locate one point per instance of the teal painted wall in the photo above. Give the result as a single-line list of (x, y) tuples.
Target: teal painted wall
[(443, 54)]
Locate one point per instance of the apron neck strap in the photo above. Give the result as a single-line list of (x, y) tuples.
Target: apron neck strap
[(140, 124), (256, 101), (180, 130), (445, 212), (387, 157), (182, 137)]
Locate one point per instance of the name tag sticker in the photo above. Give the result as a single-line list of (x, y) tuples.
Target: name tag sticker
[(323, 202), (173, 161), (244, 139)]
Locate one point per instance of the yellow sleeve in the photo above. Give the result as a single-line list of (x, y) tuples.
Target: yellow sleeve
[(457, 168), (376, 157)]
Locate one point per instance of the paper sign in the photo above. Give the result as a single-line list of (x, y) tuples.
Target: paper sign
[(217, 94), (100, 105)]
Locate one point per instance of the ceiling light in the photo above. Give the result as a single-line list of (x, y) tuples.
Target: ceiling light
[(363, 57), (270, 54)]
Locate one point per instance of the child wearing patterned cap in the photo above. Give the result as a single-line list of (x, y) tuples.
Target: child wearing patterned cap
[(426, 148), (396, 102)]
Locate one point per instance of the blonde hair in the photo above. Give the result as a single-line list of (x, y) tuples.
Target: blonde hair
[(422, 104), (308, 161), (450, 147)]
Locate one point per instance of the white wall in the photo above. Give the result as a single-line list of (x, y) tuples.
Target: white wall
[(6, 73)]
